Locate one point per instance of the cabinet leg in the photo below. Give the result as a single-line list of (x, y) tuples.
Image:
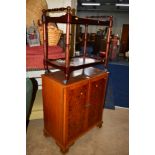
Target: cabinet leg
[(64, 150), (46, 134), (99, 125)]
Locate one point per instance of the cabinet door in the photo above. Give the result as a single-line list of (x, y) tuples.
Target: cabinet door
[(96, 100), (76, 98)]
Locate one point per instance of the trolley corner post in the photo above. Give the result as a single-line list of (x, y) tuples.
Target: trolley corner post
[(67, 57), (45, 41)]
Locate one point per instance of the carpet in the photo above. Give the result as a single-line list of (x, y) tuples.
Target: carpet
[(111, 139), (118, 84)]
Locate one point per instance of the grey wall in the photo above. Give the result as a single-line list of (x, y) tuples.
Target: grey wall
[(119, 19)]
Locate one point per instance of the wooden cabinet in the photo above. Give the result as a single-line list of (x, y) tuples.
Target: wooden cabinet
[(73, 98), (72, 109)]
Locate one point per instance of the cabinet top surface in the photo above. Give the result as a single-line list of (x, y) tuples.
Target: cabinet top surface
[(76, 76)]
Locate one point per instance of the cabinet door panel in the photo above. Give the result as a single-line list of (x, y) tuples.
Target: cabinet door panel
[(76, 101), (96, 99)]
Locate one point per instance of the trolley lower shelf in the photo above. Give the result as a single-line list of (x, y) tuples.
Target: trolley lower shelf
[(74, 64)]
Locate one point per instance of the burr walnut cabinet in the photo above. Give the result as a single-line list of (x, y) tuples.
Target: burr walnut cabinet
[(71, 109)]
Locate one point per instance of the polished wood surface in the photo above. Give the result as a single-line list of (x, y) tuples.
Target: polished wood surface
[(71, 109), (72, 19)]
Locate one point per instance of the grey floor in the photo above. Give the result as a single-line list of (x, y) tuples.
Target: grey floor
[(111, 139)]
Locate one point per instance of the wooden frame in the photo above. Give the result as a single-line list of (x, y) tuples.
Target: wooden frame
[(71, 64)]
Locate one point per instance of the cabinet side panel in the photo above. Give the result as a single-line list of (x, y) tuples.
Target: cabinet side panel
[(53, 107)]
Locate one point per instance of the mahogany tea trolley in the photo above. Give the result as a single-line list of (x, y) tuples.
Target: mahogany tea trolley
[(73, 97)]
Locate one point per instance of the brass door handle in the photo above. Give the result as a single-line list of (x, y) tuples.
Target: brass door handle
[(96, 85)]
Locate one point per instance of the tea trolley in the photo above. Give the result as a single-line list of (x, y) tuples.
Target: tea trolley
[(73, 97)]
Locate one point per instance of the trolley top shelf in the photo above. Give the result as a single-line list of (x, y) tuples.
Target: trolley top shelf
[(69, 18)]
